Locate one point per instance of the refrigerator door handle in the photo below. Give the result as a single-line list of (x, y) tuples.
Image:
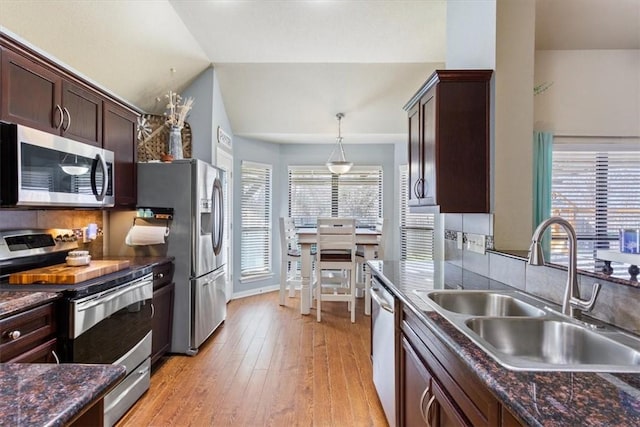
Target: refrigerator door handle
[(217, 217)]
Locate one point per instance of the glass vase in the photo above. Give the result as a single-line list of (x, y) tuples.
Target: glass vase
[(175, 143)]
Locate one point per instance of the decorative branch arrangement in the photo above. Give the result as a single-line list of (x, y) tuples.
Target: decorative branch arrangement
[(177, 110), (537, 90)]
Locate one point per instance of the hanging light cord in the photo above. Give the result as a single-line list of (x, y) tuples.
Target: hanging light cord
[(338, 140)]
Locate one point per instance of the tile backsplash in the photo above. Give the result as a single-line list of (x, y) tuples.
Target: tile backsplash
[(617, 303), (15, 219)]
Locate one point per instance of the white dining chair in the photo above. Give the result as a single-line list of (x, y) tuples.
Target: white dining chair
[(336, 247), (361, 259), (290, 258)]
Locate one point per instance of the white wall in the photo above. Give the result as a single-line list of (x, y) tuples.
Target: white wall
[(593, 92), (471, 34), (207, 114), (500, 35), (513, 115)]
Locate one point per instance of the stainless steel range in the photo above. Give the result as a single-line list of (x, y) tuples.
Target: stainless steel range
[(105, 320)]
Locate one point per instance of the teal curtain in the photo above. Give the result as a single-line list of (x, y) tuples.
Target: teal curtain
[(542, 166)]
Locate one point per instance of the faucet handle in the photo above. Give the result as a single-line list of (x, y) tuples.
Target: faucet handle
[(583, 305)]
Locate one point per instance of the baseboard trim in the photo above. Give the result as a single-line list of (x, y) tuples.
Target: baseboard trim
[(257, 291)]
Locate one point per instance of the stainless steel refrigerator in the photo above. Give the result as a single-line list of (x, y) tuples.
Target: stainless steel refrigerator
[(194, 189)]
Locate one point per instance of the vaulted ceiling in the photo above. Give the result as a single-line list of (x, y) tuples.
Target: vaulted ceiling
[(286, 67)]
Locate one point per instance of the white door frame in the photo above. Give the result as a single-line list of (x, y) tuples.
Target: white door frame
[(225, 162)]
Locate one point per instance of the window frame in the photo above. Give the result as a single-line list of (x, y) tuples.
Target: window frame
[(331, 189), (261, 221), (576, 155)]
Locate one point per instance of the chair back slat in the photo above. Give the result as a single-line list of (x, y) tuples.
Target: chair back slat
[(288, 234), (336, 234)]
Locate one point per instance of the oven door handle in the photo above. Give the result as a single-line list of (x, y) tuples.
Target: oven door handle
[(99, 300)]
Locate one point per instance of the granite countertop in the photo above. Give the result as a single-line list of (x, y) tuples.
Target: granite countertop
[(15, 302), (537, 398), (50, 394)]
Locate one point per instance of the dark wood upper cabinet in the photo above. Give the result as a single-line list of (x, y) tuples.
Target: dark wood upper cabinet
[(83, 114), (30, 93), (120, 137), (449, 124), (35, 95)]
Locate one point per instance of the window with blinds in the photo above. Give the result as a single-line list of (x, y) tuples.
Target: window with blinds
[(416, 229), (597, 189), (315, 192), (255, 257)]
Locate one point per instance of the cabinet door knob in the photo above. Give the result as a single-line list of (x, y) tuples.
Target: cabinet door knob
[(159, 275), (14, 335)]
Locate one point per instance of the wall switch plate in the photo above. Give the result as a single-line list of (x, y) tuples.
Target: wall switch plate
[(459, 240), (476, 243)]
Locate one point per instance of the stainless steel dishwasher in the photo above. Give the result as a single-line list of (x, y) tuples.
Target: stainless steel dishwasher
[(383, 348)]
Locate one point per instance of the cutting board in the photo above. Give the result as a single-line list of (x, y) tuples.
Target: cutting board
[(62, 274)]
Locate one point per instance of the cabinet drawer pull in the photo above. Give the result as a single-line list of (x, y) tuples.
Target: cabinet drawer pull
[(424, 395), (159, 275), (418, 192), (427, 418), (14, 335)]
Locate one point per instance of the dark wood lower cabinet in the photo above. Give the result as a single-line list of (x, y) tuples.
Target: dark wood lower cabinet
[(44, 353), (30, 336), (415, 386), (437, 388), (162, 324)]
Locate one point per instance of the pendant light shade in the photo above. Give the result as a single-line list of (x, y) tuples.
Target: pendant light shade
[(339, 165)]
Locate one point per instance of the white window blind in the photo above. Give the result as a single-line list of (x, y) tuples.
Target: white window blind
[(597, 189), (416, 229), (256, 220), (315, 192)]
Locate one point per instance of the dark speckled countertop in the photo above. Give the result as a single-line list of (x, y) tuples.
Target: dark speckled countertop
[(536, 398), (52, 395), (14, 302)]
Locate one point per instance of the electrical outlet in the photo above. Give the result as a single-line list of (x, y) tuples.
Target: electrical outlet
[(476, 243), (79, 233)]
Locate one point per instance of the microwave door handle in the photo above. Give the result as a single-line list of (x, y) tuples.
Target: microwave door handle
[(94, 186)]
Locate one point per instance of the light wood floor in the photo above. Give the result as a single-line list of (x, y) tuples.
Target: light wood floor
[(269, 366)]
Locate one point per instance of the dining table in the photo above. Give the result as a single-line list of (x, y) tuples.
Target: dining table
[(307, 237)]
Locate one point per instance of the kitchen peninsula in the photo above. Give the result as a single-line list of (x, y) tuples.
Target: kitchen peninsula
[(485, 392)]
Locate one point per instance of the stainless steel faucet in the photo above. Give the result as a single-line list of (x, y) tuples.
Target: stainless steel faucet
[(571, 302)]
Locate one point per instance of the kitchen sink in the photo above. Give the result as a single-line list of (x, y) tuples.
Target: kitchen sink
[(521, 332), (484, 304), (552, 342)]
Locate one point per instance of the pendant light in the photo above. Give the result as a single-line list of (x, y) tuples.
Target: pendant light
[(73, 166), (341, 165)]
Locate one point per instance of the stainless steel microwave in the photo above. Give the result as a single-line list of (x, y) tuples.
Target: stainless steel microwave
[(39, 169)]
